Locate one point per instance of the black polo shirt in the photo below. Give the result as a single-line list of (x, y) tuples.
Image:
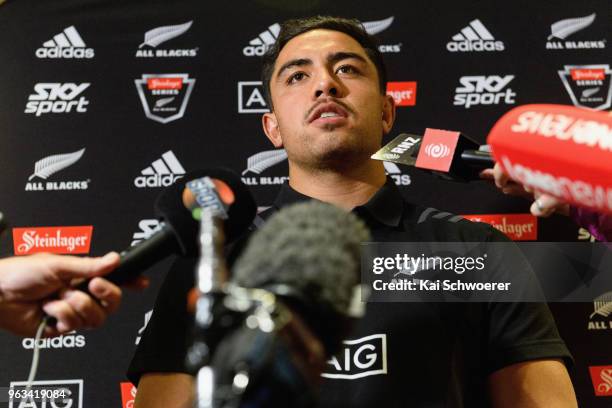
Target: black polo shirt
[(399, 354)]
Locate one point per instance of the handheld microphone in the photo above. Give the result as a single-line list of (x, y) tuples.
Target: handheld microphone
[(179, 229), (450, 155), (560, 150)]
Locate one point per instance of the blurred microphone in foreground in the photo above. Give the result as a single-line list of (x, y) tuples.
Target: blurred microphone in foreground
[(560, 156), (286, 309)]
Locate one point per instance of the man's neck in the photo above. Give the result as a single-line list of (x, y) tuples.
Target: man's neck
[(346, 189)]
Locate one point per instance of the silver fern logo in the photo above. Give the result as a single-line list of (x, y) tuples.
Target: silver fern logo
[(378, 26), (158, 36), (48, 166), (601, 318), (260, 162), (562, 29)]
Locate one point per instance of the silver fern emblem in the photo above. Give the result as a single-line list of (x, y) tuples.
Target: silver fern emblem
[(564, 28), (159, 35), (587, 93), (375, 27), (603, 305), (163, 102), (264, 160), (52, 164)]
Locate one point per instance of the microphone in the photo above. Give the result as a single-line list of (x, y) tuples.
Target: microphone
[(450, 155), (286, 309), (560, 150), (309, 256), (177, 206)]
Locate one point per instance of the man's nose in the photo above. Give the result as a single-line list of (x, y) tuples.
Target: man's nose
[(327, 85)]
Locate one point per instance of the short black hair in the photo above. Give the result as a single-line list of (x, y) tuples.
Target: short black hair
[(292, 28)]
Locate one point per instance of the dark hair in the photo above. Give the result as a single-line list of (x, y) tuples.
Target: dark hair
[(292, 28)]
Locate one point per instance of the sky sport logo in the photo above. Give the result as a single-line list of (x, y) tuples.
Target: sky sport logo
[(484, 90), (57, 240), (157, 36), (563, 29), (359, 358), (474, 37), (47, 166), (147, 228), (68, 44), (55, 97), (404, 93), (589, 86), (161, 173), (69, 394)]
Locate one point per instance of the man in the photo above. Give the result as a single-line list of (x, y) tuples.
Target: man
[(325, 83), (27, 284)]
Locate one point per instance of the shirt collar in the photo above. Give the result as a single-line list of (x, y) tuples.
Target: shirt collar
[(386, 206)]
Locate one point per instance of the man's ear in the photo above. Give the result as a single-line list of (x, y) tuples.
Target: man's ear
[(388, 113), (271, 129)]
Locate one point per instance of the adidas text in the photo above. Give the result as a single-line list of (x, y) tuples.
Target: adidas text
[(156, 180), (477, 45), (65, 341), (255, 50), (57, 52)]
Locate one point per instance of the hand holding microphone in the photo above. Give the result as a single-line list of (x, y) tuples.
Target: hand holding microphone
[(27, 282)]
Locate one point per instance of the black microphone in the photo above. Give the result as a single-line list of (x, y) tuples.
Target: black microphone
[(450, 155), (179, 230)]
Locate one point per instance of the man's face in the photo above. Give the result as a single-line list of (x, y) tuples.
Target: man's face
[(328, 108)]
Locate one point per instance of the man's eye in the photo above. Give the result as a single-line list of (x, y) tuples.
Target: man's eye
[(347, 69), (298, 76)]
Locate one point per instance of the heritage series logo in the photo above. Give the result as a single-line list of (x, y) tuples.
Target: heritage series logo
[(157, 36), (588, 86), (164, 97), (57, 240)]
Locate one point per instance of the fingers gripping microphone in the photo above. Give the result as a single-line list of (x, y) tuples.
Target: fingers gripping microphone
[(561, 150)]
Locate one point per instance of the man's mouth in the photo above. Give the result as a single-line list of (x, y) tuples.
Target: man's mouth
[(328, 112)]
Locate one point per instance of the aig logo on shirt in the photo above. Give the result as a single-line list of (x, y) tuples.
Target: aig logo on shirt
[(359, 358)]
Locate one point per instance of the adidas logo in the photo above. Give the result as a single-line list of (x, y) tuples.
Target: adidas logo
[(260, 44), (67, 44), (474, 37), (161, 173)]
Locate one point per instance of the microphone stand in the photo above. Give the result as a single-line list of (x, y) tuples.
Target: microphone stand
[(211, 277)]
